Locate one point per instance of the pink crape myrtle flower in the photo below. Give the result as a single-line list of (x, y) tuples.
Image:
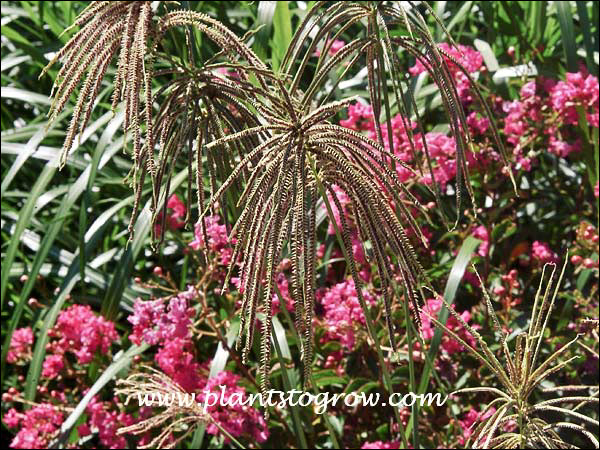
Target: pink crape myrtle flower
[(360, 117), (344, 201), (432, 308), (466, 56), (176, 359), (284, 287), (482, 233), (81, 332), (235, 418), (343, 312), (218, 240), (177, 209), (541, 252), (382, 444), (579, 89), (336, 46), (53, 365), (20, 345), (176, 212), (477, 125), (38, 425), (469, 423), (106, 422), (158, 322)]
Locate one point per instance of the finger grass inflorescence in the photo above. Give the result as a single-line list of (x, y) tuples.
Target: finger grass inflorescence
[(267, 137), (515, 418)]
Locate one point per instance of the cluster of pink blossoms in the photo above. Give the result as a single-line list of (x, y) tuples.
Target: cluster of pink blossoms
[(579, 89), (168, 325), (177, 359), (106, 422), (382, 444), (343, 312), (432, 308), (175, 214), (441, 147), (483, 234), (155, 321), (336, 46), (38, 425), (20, 345), (284, 287), (470, 421), (469, 58), (544, 111), (238, 418), (81, 332), (587, 243), (542, 253), (218, 240)]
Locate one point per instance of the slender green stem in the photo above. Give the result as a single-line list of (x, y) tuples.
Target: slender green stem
[(227, 434)]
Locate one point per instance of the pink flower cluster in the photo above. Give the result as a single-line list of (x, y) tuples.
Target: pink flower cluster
[(38, 425), (284, 287), (157, 323), (360, 117), (472, 419), (80, 332), (336, 46), (345, 203), (20, 345), (432, 307), (477, 124), (469, 423), (218, 240), (106, 422), (238, 419), (382, 444), (579, 89), (175, 214), (544, 110), (442, 150), (469, 58), (176, 358), (441, 147), (343, 312), (482, 233), (357, 248), (542, 253)]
